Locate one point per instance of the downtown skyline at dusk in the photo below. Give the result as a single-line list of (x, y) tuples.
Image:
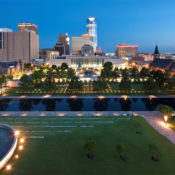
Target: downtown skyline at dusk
[(144, 23), (87, 87)]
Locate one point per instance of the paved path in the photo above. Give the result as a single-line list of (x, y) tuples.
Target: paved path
[(95, 96), (153, 118)]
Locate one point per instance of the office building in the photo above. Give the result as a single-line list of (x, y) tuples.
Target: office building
[(78, 43), (92, 32), (18, 46), (87, 50), (63, 44), (124, 50), (27, 27)]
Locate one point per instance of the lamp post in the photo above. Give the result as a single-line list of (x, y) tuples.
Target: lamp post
[(165, 118)]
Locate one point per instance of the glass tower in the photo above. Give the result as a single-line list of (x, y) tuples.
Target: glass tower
[(92, 32)]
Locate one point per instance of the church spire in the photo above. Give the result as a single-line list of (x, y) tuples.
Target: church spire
[(156, 52)]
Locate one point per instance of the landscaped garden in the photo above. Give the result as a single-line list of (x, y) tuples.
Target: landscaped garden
[(91, 145), (63, 80)]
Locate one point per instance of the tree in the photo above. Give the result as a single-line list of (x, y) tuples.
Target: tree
[(171, 83), (37, 78), (154, 151), (120, 149), (165, 110), (115, 73), (3, 81), (108, 65), (134, 73), (125, 84), (150, 85), (25, 81), (64, 66), (144, 73), (75, 85), (99, 85), (90, 148), (107, 71), (159, 77)]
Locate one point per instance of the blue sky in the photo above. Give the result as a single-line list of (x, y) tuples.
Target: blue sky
[(141, 22)]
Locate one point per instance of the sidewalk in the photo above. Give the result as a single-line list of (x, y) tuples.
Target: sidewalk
[(83, 97)]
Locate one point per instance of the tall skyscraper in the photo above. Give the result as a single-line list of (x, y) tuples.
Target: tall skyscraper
[(27, 27), (18, 46), (63, 44), (92, 32)]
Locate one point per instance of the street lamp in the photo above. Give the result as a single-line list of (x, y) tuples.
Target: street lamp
[(165, 118)]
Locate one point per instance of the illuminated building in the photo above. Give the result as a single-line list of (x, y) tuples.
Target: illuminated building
[(92, 32), (51, 54), (27, 27), (63, 44), (78, 43), (124, 50), (87, 62), (18, 46)]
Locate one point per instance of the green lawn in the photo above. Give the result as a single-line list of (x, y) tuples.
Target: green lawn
[(62, 153), (137, 89)]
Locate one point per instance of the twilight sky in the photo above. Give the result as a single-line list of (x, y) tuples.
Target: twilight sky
[(141, 22)]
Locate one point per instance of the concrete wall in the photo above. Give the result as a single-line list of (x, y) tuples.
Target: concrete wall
[(12, 149)]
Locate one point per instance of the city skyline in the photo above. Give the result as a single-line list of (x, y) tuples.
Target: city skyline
[(143, 23)]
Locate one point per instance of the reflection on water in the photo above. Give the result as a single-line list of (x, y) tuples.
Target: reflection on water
[(89, 104), (50, 104), (25, 104), (125, 104), (101, 104), (75, 104)]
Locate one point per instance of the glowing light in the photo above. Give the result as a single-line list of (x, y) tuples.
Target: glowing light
[(62, 114), (46, 96), (17, 133), (21, 140), (101, 97), (98, 114), (125, 97), (165, 118), (21, 147), (73, 96), (8, 167), (16, 156)]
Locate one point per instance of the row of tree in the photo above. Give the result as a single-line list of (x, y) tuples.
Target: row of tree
[(48, 78), (150, 79), (91, 148)]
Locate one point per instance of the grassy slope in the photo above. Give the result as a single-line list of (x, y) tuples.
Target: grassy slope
[(62, 153)]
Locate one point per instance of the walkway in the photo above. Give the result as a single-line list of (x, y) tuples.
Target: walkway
[(82, 97)]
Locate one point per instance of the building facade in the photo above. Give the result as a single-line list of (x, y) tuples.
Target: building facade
[(124, 50), (21, 45), (88, 62), (51, 54), (63, 44), (78, 43), (92, 32), (27, 27)]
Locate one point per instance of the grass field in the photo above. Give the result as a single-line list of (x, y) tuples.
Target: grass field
[(61, 152)]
